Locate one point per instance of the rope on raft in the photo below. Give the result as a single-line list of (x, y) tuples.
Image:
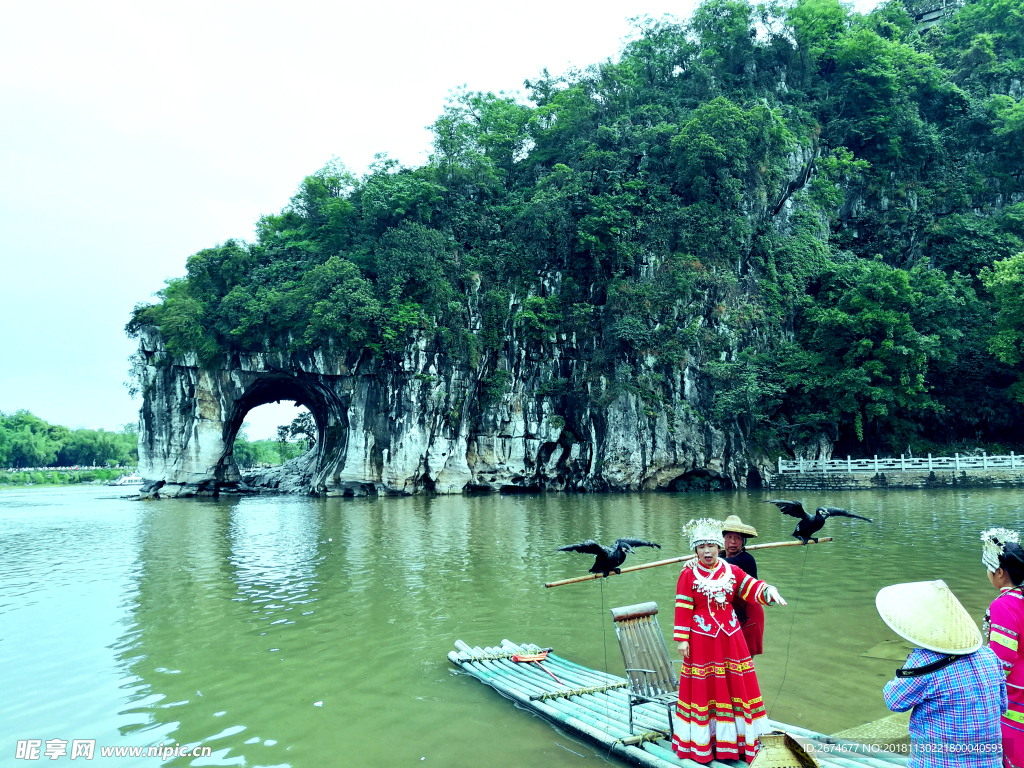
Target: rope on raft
[(498, 656), (567, 692), (651, 736)]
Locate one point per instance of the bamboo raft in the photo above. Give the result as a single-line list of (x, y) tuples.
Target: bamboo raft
[(593, 705)]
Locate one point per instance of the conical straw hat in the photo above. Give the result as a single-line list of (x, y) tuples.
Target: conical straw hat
[(928, 614), (734, 524)]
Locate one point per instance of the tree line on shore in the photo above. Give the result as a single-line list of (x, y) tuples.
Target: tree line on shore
[(292, 440), (60, 476), (34, 446), (820, 211), (266, 453), (28, 441)]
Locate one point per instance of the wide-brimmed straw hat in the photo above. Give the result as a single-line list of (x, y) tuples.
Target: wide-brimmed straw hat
[(928, 614), (733, 524)]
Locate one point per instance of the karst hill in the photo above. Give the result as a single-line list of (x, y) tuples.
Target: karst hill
[(773, 229)]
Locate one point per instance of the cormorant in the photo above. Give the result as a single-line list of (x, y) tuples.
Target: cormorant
[(808, 526), (608, 558)]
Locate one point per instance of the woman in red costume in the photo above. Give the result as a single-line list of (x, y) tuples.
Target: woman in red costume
[(720, 714), (1004, 624)]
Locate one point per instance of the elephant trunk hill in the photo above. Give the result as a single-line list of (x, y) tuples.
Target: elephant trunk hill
[(774, 230)]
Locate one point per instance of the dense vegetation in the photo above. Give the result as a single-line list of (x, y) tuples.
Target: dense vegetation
[(292, 440), (265, 452), (820, 209), (57, 477), (28, 441)]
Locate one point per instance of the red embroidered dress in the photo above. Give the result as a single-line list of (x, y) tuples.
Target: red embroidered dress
[(1005, 619), (720, 714)]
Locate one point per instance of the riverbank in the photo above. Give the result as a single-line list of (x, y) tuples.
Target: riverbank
[(44, 477)]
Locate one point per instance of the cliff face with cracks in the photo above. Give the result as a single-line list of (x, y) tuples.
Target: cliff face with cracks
[(421, 423)]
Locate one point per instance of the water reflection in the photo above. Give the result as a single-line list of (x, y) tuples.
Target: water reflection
[(303, 632)]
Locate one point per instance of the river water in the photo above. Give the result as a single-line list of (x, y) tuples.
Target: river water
[(311, 632)]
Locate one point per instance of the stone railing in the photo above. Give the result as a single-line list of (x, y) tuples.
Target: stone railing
[(955, 463)]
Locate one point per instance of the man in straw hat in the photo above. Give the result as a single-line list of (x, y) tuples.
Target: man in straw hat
[(955, 685), (751, 615)]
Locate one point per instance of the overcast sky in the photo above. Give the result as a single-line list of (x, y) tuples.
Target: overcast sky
[(133, 135)]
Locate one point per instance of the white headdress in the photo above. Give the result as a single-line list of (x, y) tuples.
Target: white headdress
[(995, 541), (704, 531)]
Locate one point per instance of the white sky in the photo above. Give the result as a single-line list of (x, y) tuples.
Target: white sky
[(132, 136)]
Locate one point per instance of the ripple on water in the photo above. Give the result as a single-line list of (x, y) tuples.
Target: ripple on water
[(282, 631)]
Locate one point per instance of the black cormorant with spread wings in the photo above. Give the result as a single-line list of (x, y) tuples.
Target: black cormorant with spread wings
[(608, 558), (808, 526)]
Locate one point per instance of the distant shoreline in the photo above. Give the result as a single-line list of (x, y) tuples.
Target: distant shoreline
[(40, 478)]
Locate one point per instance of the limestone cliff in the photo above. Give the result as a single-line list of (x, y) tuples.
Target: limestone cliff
[(419, 423), (648, 274)]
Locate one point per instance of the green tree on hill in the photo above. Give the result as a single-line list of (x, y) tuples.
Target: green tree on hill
[(28, 441)]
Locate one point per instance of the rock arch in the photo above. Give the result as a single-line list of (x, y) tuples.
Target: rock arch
[(274, 388), (423, 422), (191, 415)]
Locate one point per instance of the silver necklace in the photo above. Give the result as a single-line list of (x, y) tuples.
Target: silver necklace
[(716, 588)]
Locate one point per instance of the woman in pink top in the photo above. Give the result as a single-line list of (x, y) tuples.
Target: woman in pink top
[(1004, 625)]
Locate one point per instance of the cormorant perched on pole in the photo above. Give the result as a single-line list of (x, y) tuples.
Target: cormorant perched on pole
[(808, 526), (608, 558)]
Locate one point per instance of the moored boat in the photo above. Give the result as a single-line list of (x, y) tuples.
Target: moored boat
[(127, 480)]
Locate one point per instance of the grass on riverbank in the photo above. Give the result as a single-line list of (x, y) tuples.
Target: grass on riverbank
[(55, 477)]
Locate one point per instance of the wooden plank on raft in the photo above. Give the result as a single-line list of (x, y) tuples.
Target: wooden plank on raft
[(594, 705), (649, 716), (612, 709)]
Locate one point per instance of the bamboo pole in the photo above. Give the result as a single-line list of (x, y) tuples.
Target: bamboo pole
[(670, 561), (568, 692)]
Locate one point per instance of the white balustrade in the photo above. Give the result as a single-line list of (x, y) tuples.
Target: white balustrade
[(956, 463)]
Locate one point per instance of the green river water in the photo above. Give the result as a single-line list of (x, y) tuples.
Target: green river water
[(226, 622)]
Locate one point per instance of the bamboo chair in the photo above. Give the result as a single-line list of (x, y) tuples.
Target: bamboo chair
[(645, 655)]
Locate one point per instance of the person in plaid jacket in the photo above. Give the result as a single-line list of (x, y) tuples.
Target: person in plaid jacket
[(955, 685)]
